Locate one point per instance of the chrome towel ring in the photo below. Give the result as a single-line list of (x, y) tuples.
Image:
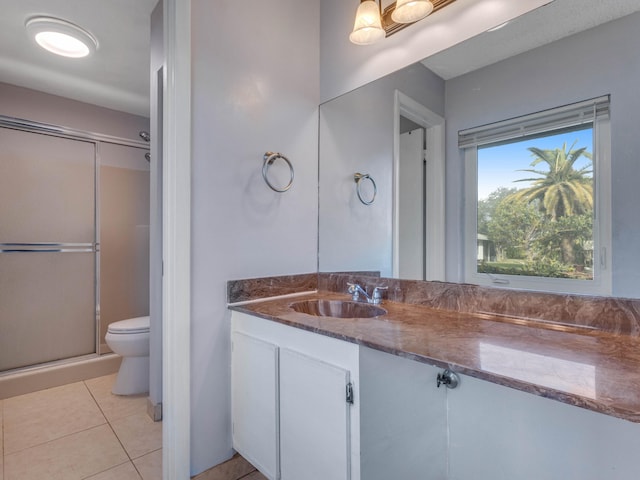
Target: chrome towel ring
[(358, 177), (269, 158)]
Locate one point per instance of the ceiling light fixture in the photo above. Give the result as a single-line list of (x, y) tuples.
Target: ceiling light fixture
[(61, 37), (373, 24)]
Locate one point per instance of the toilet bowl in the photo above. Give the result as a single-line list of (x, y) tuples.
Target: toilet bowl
[(130, 339)]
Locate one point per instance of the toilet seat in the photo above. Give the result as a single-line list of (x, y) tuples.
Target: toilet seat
[(129, 326)]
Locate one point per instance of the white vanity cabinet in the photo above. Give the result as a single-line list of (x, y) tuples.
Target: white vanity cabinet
[(254, 392), (315, 418), (498, 433), (403, 419), (292, 417)]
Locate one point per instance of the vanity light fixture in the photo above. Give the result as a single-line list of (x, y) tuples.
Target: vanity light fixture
[(61, 37), (373, 24), (410, 11), (368, 26)]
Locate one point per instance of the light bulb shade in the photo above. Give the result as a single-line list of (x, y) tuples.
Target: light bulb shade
[(368, 25), (409, 11), (61, 37)]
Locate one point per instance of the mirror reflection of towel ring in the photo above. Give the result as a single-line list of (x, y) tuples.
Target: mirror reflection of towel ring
[(269, 158), (358, 177)]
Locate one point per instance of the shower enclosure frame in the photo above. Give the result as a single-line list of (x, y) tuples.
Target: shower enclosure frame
[(96, 139)]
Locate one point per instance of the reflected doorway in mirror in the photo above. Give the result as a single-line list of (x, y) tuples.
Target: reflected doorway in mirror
[(418, 212)]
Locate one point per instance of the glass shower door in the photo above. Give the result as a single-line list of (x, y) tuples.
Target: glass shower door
[(47, 248)]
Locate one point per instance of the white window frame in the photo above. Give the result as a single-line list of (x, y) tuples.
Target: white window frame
[(547, 121)]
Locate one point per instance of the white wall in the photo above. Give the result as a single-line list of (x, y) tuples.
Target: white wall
[(596, 62), (255, 87), (345, 66), (356, 135)]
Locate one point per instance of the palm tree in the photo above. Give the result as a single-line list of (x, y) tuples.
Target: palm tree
[(562, 191)]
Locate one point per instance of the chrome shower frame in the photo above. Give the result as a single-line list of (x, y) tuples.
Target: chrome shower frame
[(96, 139)]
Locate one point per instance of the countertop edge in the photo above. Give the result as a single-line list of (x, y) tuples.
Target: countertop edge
[(511, 382)]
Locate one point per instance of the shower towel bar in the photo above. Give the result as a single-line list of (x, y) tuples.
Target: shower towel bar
[(269, 158)]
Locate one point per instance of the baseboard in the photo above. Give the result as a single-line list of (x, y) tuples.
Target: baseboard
[(154, 410), (45, 377)]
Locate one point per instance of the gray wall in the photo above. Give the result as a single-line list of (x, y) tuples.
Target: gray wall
[(356, 135), (600, 61), (345, 66), (255, 87), (30, 104)]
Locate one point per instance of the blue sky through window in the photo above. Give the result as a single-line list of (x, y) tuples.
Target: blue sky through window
[(498, 165)]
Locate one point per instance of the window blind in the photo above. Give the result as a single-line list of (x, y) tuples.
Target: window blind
[(557, 118)]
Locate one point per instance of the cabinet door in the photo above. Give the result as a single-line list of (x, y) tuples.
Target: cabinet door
[(498, 433), (314, 419), (254, 392)]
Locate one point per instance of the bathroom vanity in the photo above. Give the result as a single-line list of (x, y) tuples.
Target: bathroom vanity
[(314, 407), (357, 398)]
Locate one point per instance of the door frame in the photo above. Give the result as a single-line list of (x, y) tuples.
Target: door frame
[(176, 239), (411, 196), (434, 126)]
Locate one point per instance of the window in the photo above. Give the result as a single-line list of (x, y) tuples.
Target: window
[(537, 208)]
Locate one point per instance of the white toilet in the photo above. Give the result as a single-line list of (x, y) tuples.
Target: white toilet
[(130, 339)]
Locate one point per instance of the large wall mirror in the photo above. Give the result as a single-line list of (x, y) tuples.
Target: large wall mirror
[(403, 132)]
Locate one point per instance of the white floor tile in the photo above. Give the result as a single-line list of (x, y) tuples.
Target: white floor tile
[(76, 456), (39, 417), (126, 471), (150, 465), (62, 433), (113, 406), (139, 434)]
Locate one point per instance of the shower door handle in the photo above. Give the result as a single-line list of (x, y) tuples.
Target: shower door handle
[(48, 247)]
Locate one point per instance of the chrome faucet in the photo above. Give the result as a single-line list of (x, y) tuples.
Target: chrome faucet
[(356, 290)]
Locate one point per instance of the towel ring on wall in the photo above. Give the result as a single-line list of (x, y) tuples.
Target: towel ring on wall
[(358, 177), (269, 158)]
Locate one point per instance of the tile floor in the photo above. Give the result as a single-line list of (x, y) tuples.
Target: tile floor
[(254, 476), (237, 468), (79, 431), (83, 431)]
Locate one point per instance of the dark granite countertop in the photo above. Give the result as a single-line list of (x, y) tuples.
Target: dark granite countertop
[(574, 364)]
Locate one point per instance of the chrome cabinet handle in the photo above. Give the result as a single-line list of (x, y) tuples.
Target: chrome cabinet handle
[(448, 379)]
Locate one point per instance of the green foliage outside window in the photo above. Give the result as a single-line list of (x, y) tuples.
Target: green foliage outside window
[(546, 228)]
